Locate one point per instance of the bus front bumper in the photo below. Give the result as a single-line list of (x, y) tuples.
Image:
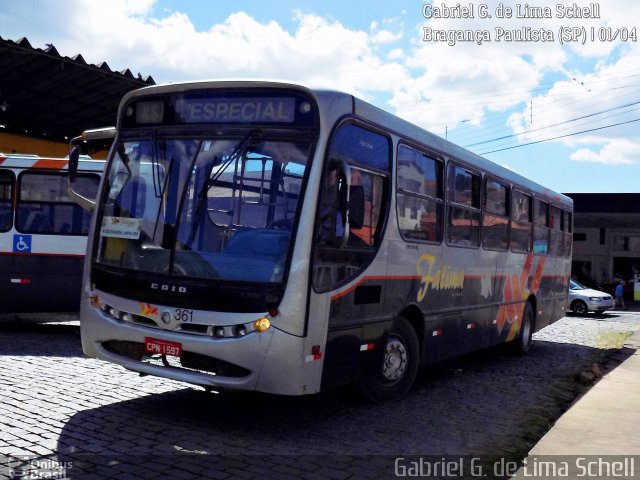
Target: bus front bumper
[(234, 363)]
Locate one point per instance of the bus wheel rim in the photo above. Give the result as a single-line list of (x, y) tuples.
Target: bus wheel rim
[(395, 360)]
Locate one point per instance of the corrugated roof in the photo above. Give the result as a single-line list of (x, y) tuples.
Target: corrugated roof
[(46, 95)]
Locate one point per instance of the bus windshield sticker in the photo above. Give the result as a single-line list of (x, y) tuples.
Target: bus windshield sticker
[(121, 227)]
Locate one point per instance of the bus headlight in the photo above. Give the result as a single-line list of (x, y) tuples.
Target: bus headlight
[(262, 324)]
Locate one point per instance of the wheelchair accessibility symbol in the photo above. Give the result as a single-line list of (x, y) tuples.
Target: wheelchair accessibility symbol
[(22, 243)]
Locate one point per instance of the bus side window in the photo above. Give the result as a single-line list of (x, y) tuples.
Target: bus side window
[(44, 207), (419, 196), (567, 228), (463, 205), (6, 197), (540, 227), (367, 155), (330, 220), (556, 245), (495, 220), (520, 222)]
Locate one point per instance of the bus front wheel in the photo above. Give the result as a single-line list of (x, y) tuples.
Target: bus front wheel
[(399, 368)]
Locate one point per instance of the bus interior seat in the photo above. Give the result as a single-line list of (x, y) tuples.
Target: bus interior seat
[(37, 222), (259, 242)]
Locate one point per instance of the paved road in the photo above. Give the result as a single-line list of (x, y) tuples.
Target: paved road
[(89, 419)]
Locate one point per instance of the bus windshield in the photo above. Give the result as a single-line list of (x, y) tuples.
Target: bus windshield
[(205, 207)]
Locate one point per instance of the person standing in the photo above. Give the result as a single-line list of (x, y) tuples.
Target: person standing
[(619, 294)]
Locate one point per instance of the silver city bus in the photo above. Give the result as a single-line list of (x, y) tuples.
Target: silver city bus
[(266, 236)]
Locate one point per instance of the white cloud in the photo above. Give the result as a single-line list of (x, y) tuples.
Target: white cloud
[(167, 46), (432, 84), (616, 152), (384, 36), (595, 111), (467, 82), (396, 54)]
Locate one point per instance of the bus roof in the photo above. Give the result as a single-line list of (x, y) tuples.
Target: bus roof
[(25, 161), (404, 129), (411, 132)]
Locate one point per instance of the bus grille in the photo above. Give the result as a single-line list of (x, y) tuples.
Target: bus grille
[(188, 361), (132, 350)]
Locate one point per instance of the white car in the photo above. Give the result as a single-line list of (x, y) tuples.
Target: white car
[(583, 300)]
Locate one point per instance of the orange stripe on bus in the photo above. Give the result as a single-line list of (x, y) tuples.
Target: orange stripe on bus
[(512, 289), (50, 164), (353, 287)]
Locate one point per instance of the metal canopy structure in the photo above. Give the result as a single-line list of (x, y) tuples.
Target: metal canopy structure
[(46, 95)]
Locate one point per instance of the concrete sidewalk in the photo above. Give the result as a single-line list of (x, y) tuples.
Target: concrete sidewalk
[(604, 421)]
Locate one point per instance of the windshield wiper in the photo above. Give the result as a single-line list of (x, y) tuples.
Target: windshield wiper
[(243, 145)]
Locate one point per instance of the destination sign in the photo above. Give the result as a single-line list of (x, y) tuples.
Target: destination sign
[(236, 110)]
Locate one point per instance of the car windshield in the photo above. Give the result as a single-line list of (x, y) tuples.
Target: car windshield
[(210, 208), (573, 285)]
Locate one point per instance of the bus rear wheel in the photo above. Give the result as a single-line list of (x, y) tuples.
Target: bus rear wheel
[(399, 368), (522, 344)]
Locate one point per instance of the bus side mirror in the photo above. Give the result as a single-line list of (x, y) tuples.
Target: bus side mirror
[(356, 206), (74, 158), (98, 134), (72, 173)]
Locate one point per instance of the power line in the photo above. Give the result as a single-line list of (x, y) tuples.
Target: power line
[(482, 134), (480, 97), (560, 136), (554, 125), (572, 127)]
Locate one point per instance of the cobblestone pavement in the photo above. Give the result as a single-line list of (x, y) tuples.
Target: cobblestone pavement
[(77, 417)]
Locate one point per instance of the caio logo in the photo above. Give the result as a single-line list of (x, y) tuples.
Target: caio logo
[(167, 287)]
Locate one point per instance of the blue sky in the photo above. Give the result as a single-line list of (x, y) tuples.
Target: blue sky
[(563, 114)]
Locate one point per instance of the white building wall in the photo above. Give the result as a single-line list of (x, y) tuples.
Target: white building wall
[(595, 260)]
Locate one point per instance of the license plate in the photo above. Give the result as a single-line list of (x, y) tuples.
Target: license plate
[(162, 347)]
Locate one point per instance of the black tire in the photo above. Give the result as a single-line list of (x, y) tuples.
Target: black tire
[(522, 344), (401, 358), (578, 307)]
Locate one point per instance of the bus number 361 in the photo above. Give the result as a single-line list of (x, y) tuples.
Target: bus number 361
[(183, 315)]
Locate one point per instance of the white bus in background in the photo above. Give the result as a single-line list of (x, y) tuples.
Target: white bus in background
[(43, 233), (271, 237)]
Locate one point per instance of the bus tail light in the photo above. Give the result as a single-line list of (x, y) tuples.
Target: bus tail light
[(315, 351)]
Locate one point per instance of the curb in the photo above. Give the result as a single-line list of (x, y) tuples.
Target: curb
[(633, 341)]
